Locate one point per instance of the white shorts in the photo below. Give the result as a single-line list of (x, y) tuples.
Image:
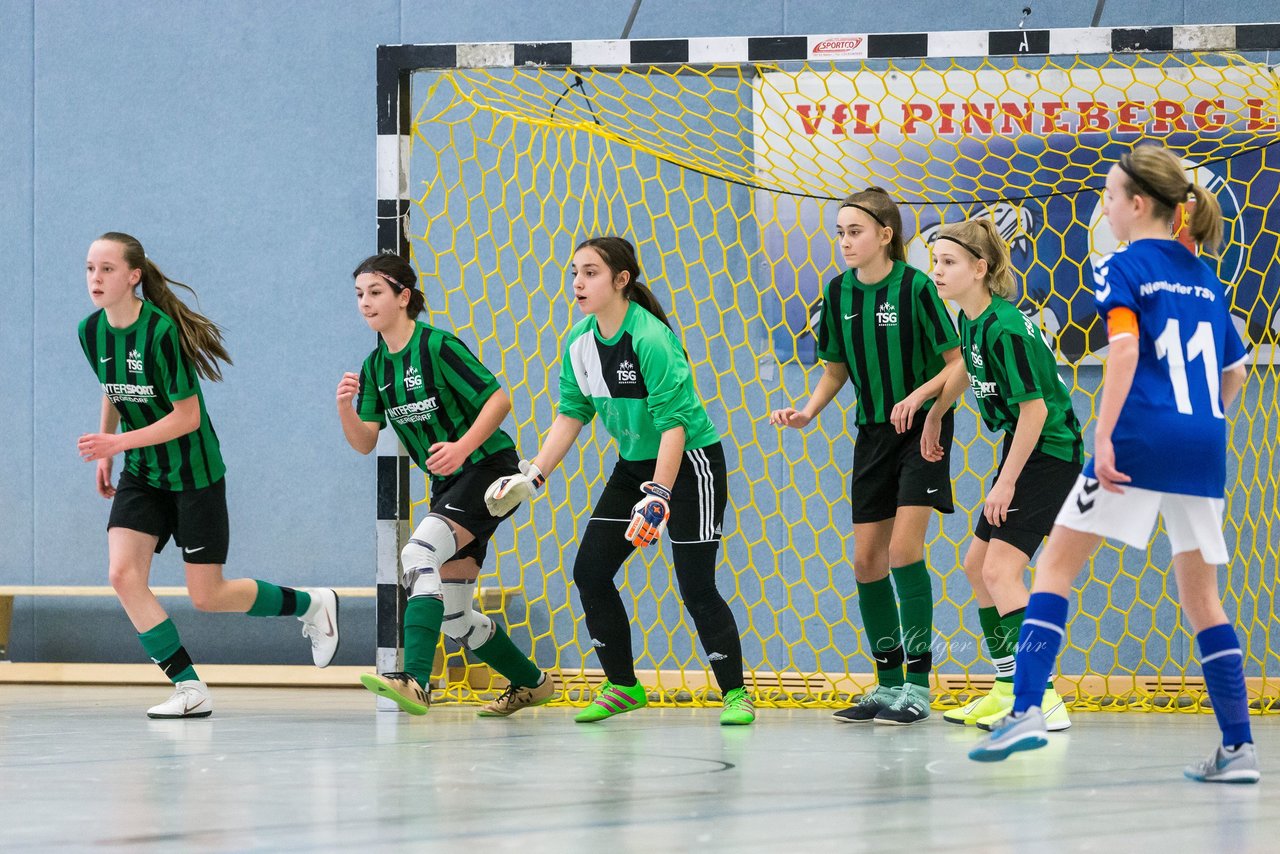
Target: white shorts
[(1191, 521)]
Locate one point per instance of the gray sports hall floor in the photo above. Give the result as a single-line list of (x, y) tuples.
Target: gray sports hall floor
[(81, 768)]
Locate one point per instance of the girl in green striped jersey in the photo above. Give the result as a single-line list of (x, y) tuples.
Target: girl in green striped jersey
[(147, 352), (446, 408), (1015, 380), (884, 327), (624, 363)]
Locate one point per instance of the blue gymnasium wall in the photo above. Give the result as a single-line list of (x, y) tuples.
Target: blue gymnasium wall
[(236, 140)]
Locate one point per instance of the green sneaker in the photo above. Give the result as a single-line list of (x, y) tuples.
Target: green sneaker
[(998, 701), (401, 688), (739, 708), (613, 700)]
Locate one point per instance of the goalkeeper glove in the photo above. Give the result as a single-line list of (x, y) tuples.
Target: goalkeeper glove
[(649, 516), (506, 493)]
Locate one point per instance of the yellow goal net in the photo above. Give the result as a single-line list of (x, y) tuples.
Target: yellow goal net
[(723, 172)]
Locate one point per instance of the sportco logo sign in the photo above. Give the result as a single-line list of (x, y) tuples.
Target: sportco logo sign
[(837, 47)]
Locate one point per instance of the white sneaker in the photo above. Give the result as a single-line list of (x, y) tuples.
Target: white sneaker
[(320, 623), (190, 700)]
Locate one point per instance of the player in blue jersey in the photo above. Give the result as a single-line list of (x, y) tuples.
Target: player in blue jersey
[(1175, 364)]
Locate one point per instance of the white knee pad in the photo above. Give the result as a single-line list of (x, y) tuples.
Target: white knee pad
[(470, 628), (431, 546), (462, 622)]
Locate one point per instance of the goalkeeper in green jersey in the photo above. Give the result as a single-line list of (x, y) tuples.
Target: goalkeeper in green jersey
[(884, 327), (446, 408), (146, 348), (624, 363), (1015, 381)]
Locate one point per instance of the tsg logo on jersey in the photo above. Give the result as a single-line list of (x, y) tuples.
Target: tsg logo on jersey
[(412, 379), (887, 314), (627, 371), (134, 361), (975, 356)]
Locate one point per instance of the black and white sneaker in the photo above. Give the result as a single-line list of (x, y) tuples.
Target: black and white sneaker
[(912, 706), (868, 706)]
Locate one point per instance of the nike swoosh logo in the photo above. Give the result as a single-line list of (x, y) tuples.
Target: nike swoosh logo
[(193, 551), (104, 361), (451, 507), (852, 316), (186, 708), (930, 491), (1012, 510), (385, 387), (329, 631)]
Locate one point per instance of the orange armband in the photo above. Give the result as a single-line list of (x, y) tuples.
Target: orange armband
[(1121, 322)]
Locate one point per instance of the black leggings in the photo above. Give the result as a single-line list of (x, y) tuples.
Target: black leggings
[(697, 511)]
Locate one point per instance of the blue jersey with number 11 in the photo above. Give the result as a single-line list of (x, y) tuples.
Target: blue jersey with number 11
[(1171, 435)]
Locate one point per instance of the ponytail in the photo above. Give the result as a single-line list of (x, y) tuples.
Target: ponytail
[(1206, 219), (639, 293), (620, 256), (199, 337)]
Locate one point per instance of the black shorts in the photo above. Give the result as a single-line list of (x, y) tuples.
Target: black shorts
[(1042, 487), (460, 499), (888, 471), (698, 497), (195, 518)]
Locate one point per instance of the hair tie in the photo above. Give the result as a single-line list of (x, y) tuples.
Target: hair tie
[(974, 252), (1191, 189), (866, 211)]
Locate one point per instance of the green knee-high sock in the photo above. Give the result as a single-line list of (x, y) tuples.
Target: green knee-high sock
[(1005, 650), (274, 601), (500, 653), (422, 618), (884, 631), (990, 620), (162, 644), (915, 598)]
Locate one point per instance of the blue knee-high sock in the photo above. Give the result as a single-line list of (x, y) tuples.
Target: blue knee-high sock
[(1043, 627), (1222, 662)]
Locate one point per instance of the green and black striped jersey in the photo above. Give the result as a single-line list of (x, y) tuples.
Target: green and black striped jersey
[(890, 333), (143, 372), (1009, 362), (431, 391), (639, 381)]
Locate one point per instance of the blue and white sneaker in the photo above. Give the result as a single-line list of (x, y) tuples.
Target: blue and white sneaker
[(1016, 732), (1227, 766)]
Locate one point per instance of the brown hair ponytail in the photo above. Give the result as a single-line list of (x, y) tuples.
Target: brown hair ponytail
[(620, 256), (199, 337)]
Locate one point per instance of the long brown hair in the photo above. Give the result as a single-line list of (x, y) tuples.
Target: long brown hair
[(981, 239), (620, 256), (1156, 172), (399, 274), (199, 337), (876, 203)]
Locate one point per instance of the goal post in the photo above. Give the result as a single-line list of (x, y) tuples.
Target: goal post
[(720, 159)]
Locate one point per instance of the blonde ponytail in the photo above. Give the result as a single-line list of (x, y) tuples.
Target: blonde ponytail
[(199, 337)]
